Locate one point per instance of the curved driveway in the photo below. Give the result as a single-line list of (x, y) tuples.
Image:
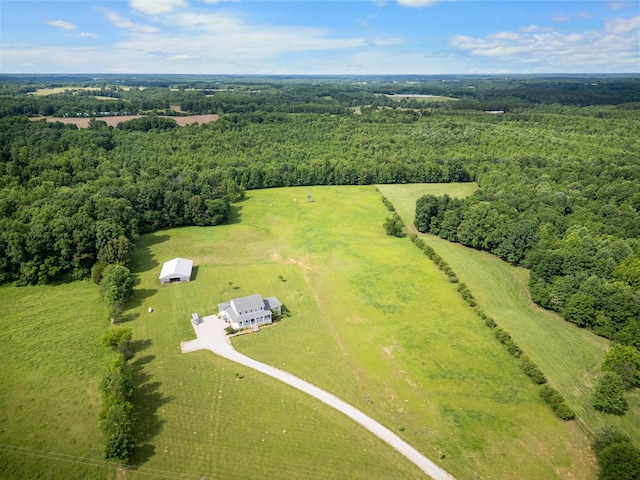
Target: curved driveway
[(211, 336)]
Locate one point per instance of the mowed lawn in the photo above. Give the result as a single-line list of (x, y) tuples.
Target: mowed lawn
[(372, 320), (569, 356)]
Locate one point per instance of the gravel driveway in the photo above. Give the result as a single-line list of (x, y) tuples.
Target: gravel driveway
[(211, 336)]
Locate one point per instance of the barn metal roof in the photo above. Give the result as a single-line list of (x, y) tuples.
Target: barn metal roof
[(178, 267)]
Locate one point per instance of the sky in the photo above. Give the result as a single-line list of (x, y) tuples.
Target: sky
[(266, 37)]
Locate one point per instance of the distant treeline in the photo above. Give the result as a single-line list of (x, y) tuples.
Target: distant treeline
[(72, 197), (335, 95)]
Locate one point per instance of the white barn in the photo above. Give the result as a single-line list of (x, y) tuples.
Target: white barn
[(250, 311), (176, 270)]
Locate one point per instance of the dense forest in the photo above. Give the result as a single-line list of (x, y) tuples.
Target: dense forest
[(558, 168)]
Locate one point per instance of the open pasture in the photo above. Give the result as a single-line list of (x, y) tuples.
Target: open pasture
[(372, 320), (569, 356), (51, 369)]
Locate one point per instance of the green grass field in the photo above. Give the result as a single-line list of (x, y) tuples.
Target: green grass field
[(569, 356), (372, 320), (51, 366)]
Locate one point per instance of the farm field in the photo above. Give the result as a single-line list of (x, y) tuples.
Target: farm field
[(113, 120), (51, 369), (422, 98), (569, 356), (372, 320)]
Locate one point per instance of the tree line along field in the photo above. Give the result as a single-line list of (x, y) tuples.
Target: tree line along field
[(372, 320), (568, 355)]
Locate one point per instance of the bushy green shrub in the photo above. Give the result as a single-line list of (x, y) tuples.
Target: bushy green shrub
[(429, 251), (608, 394), (466, 294), (388, 204), (557, 403), (490, 322), (532, 370), (563, 411), (116, 418)]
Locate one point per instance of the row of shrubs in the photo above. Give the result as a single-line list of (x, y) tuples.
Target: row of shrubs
[(388, 204), (439, 261), (528, 366), (117, 388)]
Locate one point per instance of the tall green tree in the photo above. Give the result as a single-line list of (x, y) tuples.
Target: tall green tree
[(625, 361), (608, 395)]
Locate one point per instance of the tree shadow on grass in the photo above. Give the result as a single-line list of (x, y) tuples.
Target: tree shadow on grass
[(129, 317), (139, 296), (234, 214), (139, 346), (143, 258), (148, 399)]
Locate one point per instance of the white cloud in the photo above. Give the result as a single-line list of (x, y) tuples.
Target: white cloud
[(417, 3), (386, 41), (61, 24), (614, 48), (156, 7), (623, 25), (68, 26), (118, 21), (181, 57), (530, 28)]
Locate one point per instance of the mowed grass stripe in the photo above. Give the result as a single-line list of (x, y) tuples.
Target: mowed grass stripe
[(569, 356)]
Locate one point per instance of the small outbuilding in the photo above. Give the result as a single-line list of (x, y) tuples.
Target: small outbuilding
[(177, 270)]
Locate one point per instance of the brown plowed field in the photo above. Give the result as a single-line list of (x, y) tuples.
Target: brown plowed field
[(83, 122)]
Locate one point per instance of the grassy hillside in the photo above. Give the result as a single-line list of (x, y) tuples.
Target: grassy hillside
[(372, 320), (569, 356)]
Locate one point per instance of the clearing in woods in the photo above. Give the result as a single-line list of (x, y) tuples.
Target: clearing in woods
[(373, 321)]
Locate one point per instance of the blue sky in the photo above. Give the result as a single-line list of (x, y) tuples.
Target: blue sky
[(319, 37)]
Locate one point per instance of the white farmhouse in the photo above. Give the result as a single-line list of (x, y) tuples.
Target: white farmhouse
[(176, 270), (250, 311)]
